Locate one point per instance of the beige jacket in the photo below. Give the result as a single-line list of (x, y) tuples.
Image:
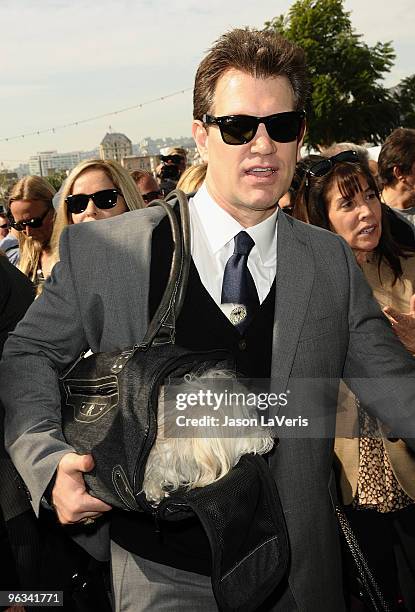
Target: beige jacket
[(347, 448)]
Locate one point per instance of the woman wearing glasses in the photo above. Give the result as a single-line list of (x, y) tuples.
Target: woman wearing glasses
[(32, 214), (377, 475), (96, 189)]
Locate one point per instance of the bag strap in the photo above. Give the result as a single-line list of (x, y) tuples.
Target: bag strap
[(162, 327), (371, 590)]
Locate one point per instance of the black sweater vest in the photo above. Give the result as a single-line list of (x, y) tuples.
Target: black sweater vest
[(201, 325)]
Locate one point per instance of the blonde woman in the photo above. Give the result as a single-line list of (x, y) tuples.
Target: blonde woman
[(95, 189), (192, 178), (32, 215)]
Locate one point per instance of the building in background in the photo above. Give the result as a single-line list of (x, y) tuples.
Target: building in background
[(46, 163), (115, 146), (148, 163), (22, 170), (152, 146), (141, 156)]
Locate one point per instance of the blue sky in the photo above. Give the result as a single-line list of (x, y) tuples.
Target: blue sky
[(63, 61)]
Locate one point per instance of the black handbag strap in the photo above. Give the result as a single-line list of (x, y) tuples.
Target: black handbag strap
[(371, 591), (162, 327)]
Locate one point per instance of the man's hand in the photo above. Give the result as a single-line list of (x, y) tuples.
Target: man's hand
[(403, 324), (70, 499)]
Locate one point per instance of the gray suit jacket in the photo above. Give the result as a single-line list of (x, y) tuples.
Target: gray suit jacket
[(326, 326)]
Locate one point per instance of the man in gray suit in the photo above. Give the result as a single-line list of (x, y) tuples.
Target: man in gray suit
[(287, 299)]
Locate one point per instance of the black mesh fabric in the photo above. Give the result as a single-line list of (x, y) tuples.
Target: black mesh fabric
[(243, 518)]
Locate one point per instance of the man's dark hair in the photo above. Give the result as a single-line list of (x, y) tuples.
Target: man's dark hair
[(261, 54), (397, 150)]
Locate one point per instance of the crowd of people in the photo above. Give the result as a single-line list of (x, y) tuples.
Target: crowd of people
[(303, 267)]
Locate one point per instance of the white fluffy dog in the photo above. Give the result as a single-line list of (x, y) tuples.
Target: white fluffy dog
[(189, 462)]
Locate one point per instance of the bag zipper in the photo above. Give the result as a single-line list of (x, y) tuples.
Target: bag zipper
[(101, 390)]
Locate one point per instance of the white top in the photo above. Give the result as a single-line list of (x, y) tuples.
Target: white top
[(213, 231)]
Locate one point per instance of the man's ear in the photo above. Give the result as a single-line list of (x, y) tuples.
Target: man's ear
[(201, 139), (300, 140), (398, 175)]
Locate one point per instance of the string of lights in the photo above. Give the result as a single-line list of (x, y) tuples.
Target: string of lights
[(82, 121)]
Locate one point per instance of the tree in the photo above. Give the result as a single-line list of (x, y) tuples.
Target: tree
[(56, 179), (405, 99), (347, 100)]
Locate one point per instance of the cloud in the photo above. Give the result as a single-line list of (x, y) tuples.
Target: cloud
[(383, 20), (67, 60)]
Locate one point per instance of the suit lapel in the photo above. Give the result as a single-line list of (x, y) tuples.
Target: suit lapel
[(295, 276)]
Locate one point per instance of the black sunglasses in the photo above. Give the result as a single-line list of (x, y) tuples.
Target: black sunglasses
[(174, 159), (240, 129), (4, 226), (152, 195), (324, 166), (105, 199), (34, 223)]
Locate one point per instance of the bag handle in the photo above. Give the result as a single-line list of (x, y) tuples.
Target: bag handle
[(162, 327)]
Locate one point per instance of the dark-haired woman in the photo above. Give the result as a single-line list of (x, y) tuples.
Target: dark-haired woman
[(287, 202), (377, 475)]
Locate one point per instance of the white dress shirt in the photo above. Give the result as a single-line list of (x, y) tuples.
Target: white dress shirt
[(213, 231)]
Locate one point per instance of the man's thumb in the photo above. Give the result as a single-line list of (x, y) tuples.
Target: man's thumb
[(86, 463), (73, 462)]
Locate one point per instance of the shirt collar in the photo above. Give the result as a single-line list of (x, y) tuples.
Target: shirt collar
[(263, 235), (220, 227)]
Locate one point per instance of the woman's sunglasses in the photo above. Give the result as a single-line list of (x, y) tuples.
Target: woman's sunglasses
[(324, 166), (174, 159), (105, 199), (240, 129), (34, 223)]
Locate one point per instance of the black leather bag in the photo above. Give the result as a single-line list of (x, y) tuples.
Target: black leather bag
[(109, 408), (109, 400)]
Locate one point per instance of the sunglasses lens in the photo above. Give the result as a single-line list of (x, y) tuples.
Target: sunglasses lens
[(77, 203), (238, 130), (284, 127), (320, 168), (105, 199), (35, 223), (344, 156)]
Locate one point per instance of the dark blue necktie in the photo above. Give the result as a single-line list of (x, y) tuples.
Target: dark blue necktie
[(238, 285)]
